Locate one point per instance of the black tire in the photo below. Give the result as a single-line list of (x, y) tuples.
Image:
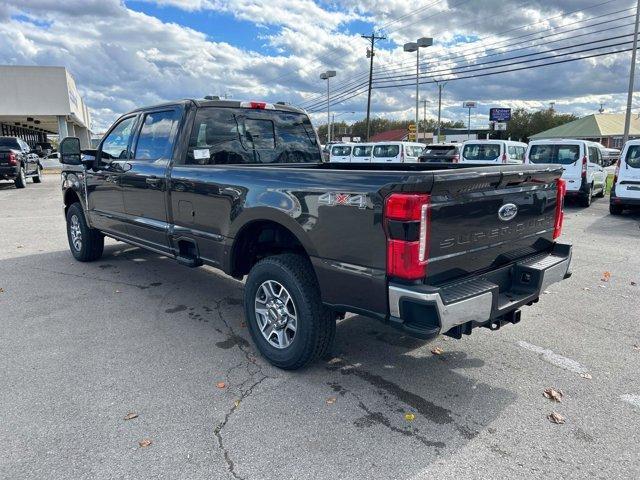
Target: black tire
[(585, 200), (316, 325), (615, 209), (21, 179), (37, 177), (91, 243)]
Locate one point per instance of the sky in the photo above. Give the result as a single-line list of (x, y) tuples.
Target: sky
[(131, 53)]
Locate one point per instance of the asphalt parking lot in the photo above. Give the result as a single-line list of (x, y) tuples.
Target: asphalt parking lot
[(83, 345)]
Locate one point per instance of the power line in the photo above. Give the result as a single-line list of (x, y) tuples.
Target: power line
[(508, 70)]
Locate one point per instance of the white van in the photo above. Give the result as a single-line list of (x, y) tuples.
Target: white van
[(625, 191), (582, 163), (493, 151), (397, 152), (361, 153), (340, 153)]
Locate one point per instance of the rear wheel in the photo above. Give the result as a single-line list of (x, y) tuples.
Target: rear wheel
[(21, 179), (286, 318), (586, 199), (86, 244), (37, 177), (615, 209)]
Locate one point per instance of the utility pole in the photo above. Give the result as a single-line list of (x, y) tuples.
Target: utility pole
[(370, 54), (440, 87), (627, 118)]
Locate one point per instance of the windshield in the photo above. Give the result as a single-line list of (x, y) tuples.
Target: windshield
[(633, 156), (386, 151), (341, 151), (440, 150), (560, 154), (413, 150), (362, 151), (481, 151), (9, 142)]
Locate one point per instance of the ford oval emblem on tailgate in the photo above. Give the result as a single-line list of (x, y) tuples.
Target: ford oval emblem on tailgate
[(507, 212)]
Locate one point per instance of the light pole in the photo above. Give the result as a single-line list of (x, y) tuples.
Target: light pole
[(415, 47), (326, 76)]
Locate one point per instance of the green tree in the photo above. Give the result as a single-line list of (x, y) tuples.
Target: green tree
[(523, 123)]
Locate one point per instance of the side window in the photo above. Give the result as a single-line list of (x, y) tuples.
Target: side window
[(157, 135), (512, 152), (116, 144)]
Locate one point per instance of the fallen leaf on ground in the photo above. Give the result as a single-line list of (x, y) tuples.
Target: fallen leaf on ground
[(117, 291), (19, 246), (130, 416), (553, 394), (437, 351), (1, 290), (546, 292), (555, 417), (633, 284), (586, 288), (586, 375), (606, 276), (602, 286), (636, 346), (409, 417), (221, 384), (331, 400), (145, 443), (236, 403)]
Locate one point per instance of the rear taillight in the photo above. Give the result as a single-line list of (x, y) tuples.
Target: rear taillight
[(615, 175), (408, 224), (584, 166), (456, 158), (561, 186), (13, 161)]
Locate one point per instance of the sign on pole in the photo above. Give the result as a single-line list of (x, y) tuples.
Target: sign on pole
[(470, 104), (499, 114), (500, 126)]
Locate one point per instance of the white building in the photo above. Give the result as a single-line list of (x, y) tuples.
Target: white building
[(40, 101)]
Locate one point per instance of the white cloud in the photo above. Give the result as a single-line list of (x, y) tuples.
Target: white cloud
[(122, 59)]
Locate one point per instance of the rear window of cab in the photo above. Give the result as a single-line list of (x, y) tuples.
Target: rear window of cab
[(559, 154), (385, 151), (481, 151), (633, 156), (341, 151)]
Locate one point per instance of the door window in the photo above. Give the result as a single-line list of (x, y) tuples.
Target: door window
[(157, 135), (593, 154), (116, 145), (386, 151)]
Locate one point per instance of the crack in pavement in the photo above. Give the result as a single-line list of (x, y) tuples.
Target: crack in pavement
[(253, 369)]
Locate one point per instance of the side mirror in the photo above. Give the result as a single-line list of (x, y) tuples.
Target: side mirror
[(70, 151)]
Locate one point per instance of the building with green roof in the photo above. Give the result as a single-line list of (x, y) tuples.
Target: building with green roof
[(607, 129)]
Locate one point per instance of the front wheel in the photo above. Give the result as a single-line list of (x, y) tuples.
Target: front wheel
[(37, 178), (286, 318), (21, 179), (86, 244)]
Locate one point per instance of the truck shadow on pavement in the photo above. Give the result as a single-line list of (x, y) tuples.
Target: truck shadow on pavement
[(380, 397)]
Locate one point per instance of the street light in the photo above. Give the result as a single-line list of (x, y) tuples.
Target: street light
[(326, 76), (333, 118), (415, 47)]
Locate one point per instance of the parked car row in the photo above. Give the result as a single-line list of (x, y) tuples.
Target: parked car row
[(384, 152)]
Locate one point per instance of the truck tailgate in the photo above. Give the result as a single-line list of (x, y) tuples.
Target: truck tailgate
[(482, 221)]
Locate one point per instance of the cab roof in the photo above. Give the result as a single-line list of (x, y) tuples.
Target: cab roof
[(223, 103)]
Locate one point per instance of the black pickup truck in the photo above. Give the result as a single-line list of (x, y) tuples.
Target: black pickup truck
[(429, 248), (18, 162)]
